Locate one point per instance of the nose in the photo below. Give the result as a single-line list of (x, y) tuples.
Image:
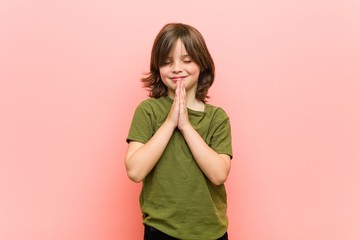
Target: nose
[(177, 67)]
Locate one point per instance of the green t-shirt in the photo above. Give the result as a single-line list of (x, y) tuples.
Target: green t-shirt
[(176, 197)]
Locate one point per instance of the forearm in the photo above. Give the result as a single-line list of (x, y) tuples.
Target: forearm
[(141, 158), (215, 166)]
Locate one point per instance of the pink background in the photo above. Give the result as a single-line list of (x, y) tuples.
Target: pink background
[(287, 74)]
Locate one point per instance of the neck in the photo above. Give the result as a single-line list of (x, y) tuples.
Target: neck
[(194, 104)]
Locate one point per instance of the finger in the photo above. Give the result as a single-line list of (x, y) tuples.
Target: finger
[(180, 86), (178, 90), (183, 93), (183, 90), (183, 100), (178, 96)]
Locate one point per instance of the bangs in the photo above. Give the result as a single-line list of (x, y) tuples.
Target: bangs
[(168, 44), (164, 50), (192, 48)]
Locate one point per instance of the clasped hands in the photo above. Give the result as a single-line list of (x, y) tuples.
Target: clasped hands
[(178, 114)]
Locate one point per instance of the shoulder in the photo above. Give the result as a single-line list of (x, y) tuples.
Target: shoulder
[(216, 112), (147, 102), (152, 103), (154, 106)]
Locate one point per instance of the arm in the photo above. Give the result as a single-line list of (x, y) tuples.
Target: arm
[(141, 158), (215, 166)]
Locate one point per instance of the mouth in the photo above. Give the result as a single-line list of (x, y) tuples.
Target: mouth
[(177, 78)]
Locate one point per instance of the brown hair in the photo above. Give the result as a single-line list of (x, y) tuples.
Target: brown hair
[(197, 50)]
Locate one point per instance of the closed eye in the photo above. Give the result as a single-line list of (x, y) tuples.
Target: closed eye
[(187, 59)]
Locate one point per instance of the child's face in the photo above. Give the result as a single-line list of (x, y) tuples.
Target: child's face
[(180, 66)]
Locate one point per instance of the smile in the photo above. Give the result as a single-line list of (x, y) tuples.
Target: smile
[(177, 78)]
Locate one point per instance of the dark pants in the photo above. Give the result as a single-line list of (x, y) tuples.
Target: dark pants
[(154, 234)]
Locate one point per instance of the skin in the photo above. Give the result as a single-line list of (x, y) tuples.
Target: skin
[(180, 74)]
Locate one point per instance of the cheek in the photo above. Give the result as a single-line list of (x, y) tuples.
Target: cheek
[(195, 69), (162, 75), (195, 72), (163, 71)]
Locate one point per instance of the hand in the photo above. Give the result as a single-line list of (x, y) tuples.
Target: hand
[(173, 116), (178, 115), (183, 113)]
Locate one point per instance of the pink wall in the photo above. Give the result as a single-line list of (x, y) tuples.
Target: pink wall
[(287, 74)]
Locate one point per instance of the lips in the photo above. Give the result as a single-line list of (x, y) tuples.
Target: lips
[(177, 78)]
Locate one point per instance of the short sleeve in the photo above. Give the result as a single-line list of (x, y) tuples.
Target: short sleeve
[(221, 138), (141, 129)]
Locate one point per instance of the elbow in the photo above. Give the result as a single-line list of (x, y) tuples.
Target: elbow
[(134, 177), (135, 180), (132, 173), (219, 177), (218, 180)]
